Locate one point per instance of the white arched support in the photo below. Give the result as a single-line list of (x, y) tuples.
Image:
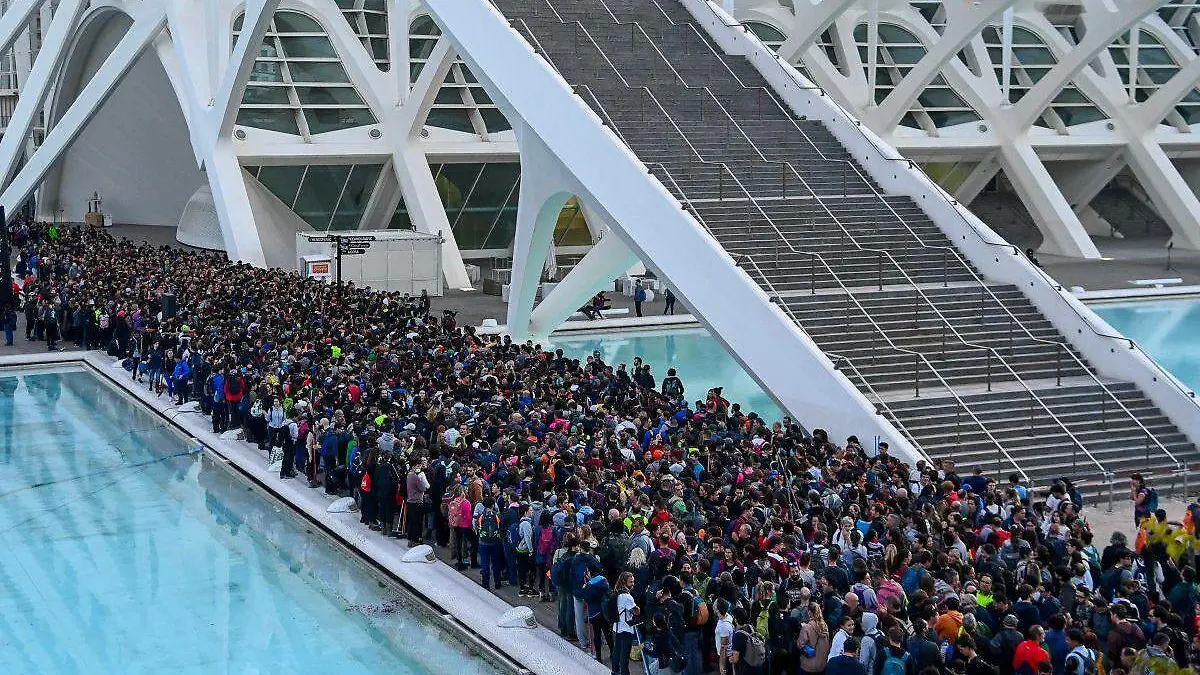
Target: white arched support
[(812, 19), (608, 259), (545, 188), (146, 26), (33, 91)]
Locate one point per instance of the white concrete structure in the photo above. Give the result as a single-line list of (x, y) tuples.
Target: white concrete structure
[(1040, 91)]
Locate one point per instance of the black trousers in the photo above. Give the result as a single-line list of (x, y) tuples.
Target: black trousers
[(415, 521)]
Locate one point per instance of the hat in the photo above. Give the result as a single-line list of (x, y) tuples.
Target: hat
[(1010, 621)]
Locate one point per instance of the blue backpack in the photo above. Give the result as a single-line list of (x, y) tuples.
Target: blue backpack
[(894, 665)]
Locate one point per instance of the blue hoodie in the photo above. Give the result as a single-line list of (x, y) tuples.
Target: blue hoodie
[(594, 593)]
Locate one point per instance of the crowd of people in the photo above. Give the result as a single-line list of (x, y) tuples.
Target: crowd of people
[(670, 535)]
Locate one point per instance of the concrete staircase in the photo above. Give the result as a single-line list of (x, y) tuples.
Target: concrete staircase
[(964, 368)]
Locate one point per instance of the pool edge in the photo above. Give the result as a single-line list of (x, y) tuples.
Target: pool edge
[(467, 612)]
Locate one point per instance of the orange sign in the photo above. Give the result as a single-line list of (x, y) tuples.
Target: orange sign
[(318, 268)]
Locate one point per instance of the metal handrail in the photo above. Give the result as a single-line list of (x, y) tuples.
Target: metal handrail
[(783, 238), (991, 351), (958, 255)]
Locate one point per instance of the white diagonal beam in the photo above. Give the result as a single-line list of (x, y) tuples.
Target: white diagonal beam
[(1170, 93), (961, 28), (15, 19), (428, 213), (415, 111), (607, 260), (33, 91), (228, 97), (812, 18), (136, 40), (1102, 30)]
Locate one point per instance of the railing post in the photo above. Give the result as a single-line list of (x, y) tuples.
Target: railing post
[(879, 262), (1058, 364), (916, 376), (812, 275), (989, 370), (1103, 411), (1010, 335), (1147, 451), (1111, 489), (945, 270)]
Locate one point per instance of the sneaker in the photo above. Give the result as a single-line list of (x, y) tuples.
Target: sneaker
[(546, 597)]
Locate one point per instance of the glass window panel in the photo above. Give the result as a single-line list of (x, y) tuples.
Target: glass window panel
[(910, 120), (1154, 56), (329, 96), (293, 22), (1072, 115), (308, 47), (266, 95), (346, 4), (906, 55), (282, 181), (424, 25), (494, 185), (949, 118), (495, 120), (319, 194), (266, 71), (571, 228), (446, 118), (449, 95), (376, 24), (472, 226), (322, 120), (940, 98), (238, 22), (454, 183), (317, 72), (400, 220), (892, 34), (503, 229), (272, 120), (421, 48), (379, 50), (480, 96), (355, 197)]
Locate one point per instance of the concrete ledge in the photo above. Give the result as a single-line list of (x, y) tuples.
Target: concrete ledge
[(540, 650), (1118, 294)]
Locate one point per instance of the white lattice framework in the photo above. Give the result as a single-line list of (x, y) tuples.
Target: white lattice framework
[(1022, 136)]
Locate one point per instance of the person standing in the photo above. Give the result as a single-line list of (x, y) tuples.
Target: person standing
[(847, 663), (639, 296), (623, 630), (418, 502), (669, 297), (50, 323), (723, 636), (10, 324), (487, 531)]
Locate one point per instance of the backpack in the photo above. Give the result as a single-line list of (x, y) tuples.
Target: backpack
[(489, 527), (1152, 500), (762, 622), (545, 542), (235, 385), (912, 579), (756, 649), (699, 612), (1110, 582), (673, 388), (1087, 659), (609, 606), (513, 536), (860, 590), (894, 665)]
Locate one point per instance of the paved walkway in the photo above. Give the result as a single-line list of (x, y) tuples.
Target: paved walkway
[(1127, 260)]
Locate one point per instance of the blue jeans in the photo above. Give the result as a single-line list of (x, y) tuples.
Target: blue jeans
[(566, 613), (691, 652), (581, 629), (622, 644), (510, 565), (490, 556), (8, 335)]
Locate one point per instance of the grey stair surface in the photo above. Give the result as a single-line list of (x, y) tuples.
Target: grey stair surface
[(964, 368), (1128, 215)]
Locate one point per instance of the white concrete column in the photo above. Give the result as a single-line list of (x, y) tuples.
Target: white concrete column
[(977, 180), (428, 214), (1166, 187), (239, 228), (1061, 230), (140, 36)]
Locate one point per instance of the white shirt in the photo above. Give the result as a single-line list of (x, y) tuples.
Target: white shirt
[(724, 630), (625, 605)]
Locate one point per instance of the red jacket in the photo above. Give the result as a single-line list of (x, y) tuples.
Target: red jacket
[(1027, 657)]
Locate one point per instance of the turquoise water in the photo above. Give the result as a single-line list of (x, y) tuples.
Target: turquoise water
[(125, 553), (702, 363), (1168, 330)]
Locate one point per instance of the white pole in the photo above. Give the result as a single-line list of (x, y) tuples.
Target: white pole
[(1006, 55), (872, 49)]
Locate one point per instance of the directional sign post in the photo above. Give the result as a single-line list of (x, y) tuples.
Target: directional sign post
[(347, 244)]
